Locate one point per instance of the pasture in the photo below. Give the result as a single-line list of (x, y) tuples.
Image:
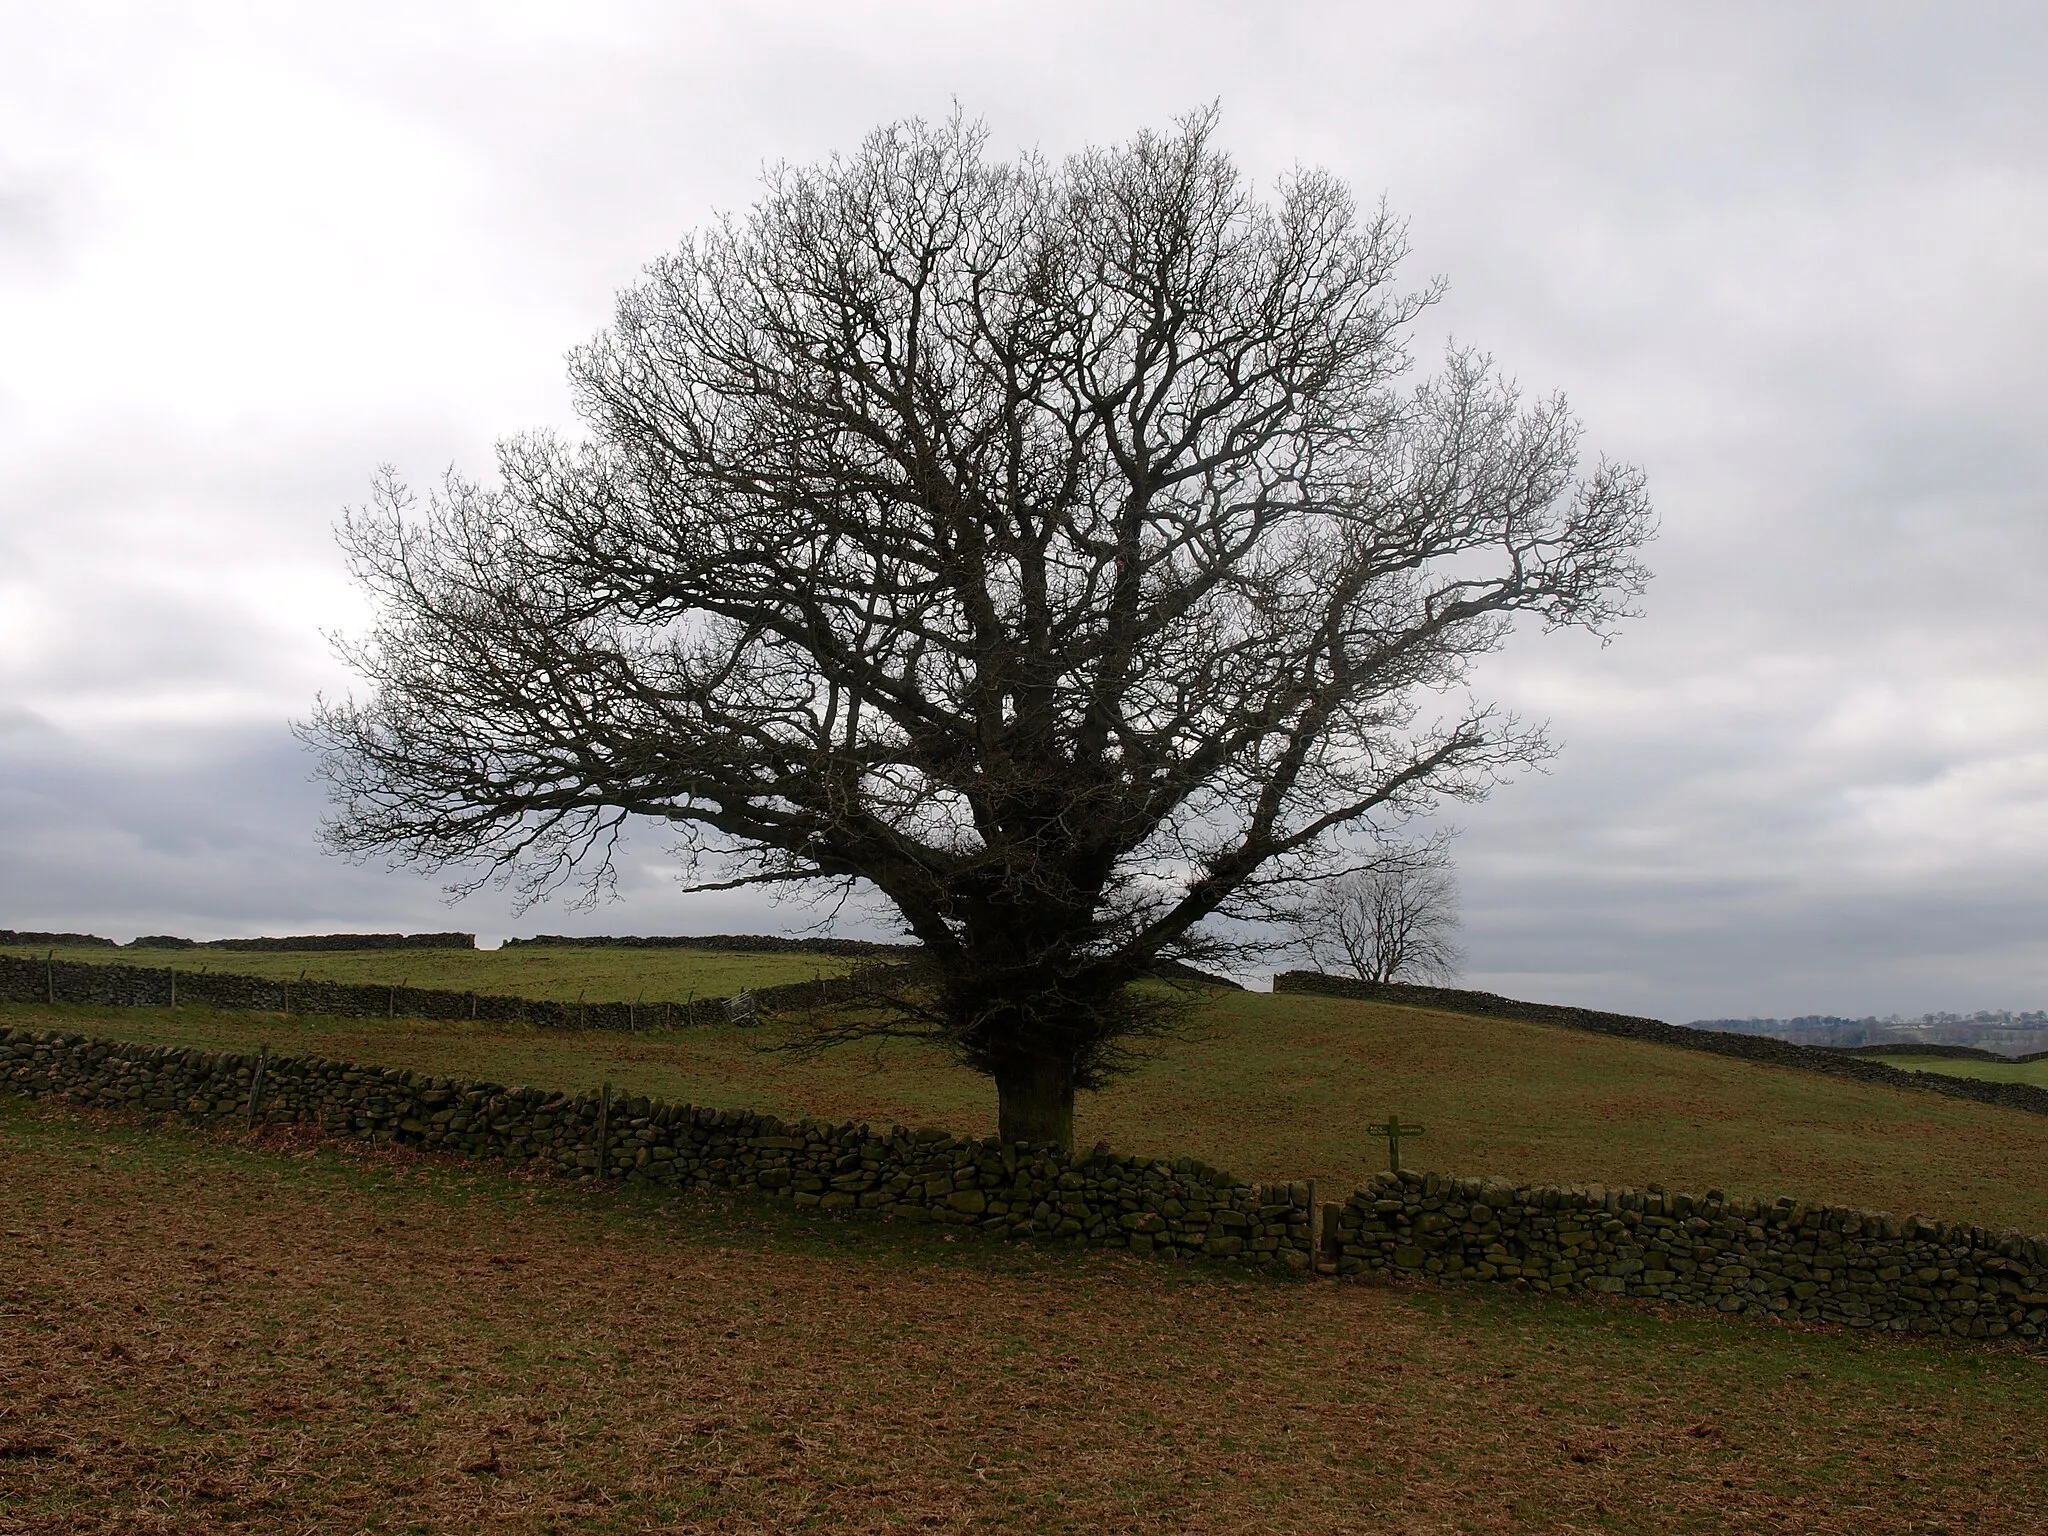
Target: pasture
[(2035, 1072), (1282, 1087), (218, 1334), (274, 1333), (563, 975)]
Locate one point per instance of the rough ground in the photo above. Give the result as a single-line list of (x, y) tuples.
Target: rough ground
[(198, 1334)]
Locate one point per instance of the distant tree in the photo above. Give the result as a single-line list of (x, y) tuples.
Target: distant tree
[(1395, 919), (1053, 549)]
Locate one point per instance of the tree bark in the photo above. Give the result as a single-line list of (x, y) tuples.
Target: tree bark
[(1035, 1101)]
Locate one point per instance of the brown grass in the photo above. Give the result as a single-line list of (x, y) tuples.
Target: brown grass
[(1282, 1087), (199, 1335)]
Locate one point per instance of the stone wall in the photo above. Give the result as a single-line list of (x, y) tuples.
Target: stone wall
[(1011, 1190), (14, 937), (1862, 1269), (1783, 1259), (136, 986), (1761, 1048), (306, 942), (749, 943)]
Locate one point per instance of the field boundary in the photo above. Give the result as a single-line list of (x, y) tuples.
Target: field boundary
[(1944, 1052), (298, 943), (1782, 1259), (752, 943), (1758, 1048), (134, 986)]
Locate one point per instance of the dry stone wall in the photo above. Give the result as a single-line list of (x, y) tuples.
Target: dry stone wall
[(1784, 1259), (306, 942), (750, 943), (1012, 1190), (1862, 1269), (136, 986), (1760, 1048)]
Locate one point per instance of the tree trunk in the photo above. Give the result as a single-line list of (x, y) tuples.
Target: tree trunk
[(1035, 1102)]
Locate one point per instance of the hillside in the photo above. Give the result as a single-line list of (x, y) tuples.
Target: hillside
[(566, 974), (1283, 1086)]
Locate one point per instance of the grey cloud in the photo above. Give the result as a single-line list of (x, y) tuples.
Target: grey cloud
[(220, 842), (1789, 258)]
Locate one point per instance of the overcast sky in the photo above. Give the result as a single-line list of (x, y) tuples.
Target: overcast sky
[(1793, 260)]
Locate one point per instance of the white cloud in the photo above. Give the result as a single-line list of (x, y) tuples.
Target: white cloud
[(1790, 259)]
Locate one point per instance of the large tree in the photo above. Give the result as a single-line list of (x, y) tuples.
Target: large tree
[(1062, 551)]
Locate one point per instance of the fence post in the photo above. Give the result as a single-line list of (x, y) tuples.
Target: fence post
[(1315, 1229), (172, 972), (604, 1130), (50, 978), (256, 1084)]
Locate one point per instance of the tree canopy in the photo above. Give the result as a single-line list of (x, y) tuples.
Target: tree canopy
[(1063, 551)]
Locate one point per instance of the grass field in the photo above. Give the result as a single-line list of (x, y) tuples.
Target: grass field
[(1282, 1086), (2035, 1072), (204, 1334), (561, 975)]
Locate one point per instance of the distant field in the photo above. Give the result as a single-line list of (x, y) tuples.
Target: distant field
[(2035, 1072), (562, 975), (209, 1336), (1283, 1086)]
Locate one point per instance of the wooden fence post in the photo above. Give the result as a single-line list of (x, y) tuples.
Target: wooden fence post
[(50, 978), (1315, 1229), (172, 972), (604, 1129), (256, 1084)]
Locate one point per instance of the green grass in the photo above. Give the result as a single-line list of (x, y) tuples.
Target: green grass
[(207, 1333), (2035, 1072), (1283, 1087), (562, 975)]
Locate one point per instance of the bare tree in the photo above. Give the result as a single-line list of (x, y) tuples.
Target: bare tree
[(1394, 919), (1056, 550)]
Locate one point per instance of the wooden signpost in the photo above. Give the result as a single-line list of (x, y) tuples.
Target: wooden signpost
[(1394, 1130)]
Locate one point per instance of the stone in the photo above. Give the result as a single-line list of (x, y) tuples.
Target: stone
[(1744, 1258)]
